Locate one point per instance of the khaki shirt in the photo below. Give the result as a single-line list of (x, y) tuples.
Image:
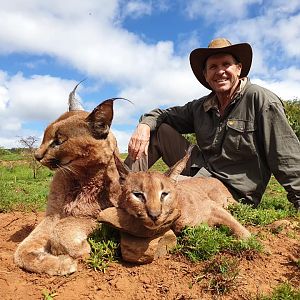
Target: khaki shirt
[(243, 147)]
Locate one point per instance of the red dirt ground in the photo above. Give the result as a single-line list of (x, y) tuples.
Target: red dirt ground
[(171, 277)]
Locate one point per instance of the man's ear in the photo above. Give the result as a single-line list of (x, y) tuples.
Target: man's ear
[(240, 68), (99, 120)]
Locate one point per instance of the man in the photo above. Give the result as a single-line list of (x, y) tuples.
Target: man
[(242, 133)]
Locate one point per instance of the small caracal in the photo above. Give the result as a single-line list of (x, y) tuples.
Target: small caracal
[(80, 147), (152, 202)]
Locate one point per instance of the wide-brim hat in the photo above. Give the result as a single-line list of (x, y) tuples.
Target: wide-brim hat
[(242, 52)]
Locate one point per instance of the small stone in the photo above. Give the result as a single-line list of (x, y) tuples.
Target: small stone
[(279, 225)]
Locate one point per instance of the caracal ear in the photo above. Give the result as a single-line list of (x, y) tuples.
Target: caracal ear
[(100, 119), (122, 168), (174, 171)]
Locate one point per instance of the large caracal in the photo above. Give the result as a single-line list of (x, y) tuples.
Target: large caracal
[(79, 147)]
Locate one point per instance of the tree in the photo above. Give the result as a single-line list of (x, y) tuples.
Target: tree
[(29, 144)]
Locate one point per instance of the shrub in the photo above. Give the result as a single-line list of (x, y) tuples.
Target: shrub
[(105, 247), (292, 108)]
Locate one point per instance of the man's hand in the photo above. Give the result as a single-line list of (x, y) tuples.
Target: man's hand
[(139, 142)]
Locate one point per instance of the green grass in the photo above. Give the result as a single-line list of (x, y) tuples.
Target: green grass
[(260, 215), (19, 191), (23, 195), (9, 156), (274, 206), (49, 295), (204, 242), (283, 292), (105, 248), (159, 166)]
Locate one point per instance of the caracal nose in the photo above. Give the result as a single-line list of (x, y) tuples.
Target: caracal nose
[(38, 155), (154, 215)]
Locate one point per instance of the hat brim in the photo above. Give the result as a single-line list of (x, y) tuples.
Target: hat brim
[(242, 52)]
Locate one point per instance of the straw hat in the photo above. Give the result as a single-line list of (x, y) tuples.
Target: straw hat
[(242, 52)]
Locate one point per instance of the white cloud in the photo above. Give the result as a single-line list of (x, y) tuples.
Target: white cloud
[(279, 7), (136, 9), (4, 98), (286, 90), (8, 143), (94, 44), (214, 10), (287, 86), (23, 100), (289, 32), (122, 139), (35, 98), (187, 42)]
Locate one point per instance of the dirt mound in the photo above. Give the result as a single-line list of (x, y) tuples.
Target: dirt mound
[(171, 277)]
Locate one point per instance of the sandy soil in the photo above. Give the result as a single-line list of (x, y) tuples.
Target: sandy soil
[(171, 277)]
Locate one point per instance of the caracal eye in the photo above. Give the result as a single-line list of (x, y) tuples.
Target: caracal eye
[(56, 143), (163, 196), (139, 195)]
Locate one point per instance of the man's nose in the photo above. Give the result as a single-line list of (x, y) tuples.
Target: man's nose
[(220, 70)]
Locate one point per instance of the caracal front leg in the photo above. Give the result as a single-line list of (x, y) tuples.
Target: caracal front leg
[(33, 253), (70, 236)]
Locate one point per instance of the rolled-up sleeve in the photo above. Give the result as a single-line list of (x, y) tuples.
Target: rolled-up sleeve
[(179, 117)]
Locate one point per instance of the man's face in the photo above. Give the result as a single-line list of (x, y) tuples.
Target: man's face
[(222, 72)]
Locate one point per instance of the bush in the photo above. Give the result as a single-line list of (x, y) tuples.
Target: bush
[(292, 108), (4, 151)]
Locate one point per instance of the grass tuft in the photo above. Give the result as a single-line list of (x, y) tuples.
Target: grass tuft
[(203, 242), (263, 215), (49, 295), (222, 274), (105, 248), (283, 292)]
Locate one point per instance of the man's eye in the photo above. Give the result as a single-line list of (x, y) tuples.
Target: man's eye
[(139, 195)]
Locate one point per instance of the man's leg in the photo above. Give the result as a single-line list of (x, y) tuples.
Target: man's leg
[(165, 143)]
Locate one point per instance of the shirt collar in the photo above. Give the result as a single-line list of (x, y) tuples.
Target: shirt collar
[(212, 101)]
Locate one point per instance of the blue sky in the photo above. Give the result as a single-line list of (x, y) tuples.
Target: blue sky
[(134, 49)]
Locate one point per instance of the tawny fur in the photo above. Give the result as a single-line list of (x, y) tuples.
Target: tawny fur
[(79, 147), (154, 201)]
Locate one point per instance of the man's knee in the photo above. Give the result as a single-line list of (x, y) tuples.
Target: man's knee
[(165, 129)]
